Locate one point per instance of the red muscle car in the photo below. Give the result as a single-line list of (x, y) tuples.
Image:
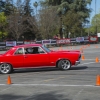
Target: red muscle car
[(37, 56)]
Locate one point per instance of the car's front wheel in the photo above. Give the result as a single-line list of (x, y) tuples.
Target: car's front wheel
[(64, 64), (5, 68)]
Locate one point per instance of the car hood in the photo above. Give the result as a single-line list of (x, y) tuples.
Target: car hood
[(65, 51)]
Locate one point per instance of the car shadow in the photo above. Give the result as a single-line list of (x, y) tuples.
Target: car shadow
[(35, 70), (45, 95), (78, 67), (48, 69)]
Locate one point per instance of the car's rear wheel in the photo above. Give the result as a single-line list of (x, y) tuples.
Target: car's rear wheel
[(64, 64), (5, 68)]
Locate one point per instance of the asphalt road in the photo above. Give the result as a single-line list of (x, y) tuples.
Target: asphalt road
[(78, 83)]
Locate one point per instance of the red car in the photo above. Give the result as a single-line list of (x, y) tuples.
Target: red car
[(37, 56)]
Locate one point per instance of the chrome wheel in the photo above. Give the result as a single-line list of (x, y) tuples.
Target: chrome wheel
[(64, 64), (5, 68)]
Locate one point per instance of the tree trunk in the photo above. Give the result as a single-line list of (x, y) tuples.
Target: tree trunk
[(61, 33)]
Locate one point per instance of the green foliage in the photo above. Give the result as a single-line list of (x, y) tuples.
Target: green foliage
[(3, 33), (73, 13), (2, 18), (52, 16), (95, 28), (17, 19), (3, 23)]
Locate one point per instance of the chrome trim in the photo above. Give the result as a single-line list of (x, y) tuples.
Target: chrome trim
[(38, 47), (28, 47), (16, 51), (43, 50), (34, 67), (52, 62), (77, 62)]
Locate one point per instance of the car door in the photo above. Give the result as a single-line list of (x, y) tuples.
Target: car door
[(18, 58), (36, 58)]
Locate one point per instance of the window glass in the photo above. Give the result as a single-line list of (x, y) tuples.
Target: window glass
[(33, 50), (19, 51), (40, 50), (46, 49), (29, 50)]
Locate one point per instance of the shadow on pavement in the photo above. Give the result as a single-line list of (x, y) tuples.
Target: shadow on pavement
[(79, 67), (48, 69), (35, 70), (42, 96)]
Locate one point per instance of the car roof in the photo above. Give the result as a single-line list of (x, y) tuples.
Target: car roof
[(26, 45)]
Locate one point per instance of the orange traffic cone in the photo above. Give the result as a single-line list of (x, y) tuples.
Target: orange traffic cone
[(88, 44), (97, 60), (83, 58), (98, 80), (60, 48), (96, 46), (9, 80), (81, 50)]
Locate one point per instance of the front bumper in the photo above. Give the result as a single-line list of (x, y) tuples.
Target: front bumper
[(77, 62)]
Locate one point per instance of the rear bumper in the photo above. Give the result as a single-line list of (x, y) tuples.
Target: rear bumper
[(77, 62)]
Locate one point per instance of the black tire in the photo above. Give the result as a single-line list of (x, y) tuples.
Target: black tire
[(5, 68), (64, 64)]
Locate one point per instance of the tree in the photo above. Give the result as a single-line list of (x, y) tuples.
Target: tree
[(52, 2), (35, 4), (15, 25), (2, 5), (7, 7), (69, 6), (21, 23), (95, 28), (30, 22), (72, 24), (48, 22), (3, 23)]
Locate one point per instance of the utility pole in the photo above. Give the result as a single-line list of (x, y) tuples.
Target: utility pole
[(60, 30), (89, 22), (95, 19)]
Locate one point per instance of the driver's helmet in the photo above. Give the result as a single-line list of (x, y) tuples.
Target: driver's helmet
[(30, 50)]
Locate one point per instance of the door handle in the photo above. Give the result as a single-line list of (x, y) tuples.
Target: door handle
[(25, 56)]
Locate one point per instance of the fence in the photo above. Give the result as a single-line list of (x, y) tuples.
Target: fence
[(68, 41)]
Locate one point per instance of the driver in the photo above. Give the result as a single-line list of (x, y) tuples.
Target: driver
[(29, 50)]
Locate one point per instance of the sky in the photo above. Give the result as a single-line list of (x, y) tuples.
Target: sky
[(95, 6)]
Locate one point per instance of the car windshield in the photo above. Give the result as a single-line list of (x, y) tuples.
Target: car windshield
[(46, 49)]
